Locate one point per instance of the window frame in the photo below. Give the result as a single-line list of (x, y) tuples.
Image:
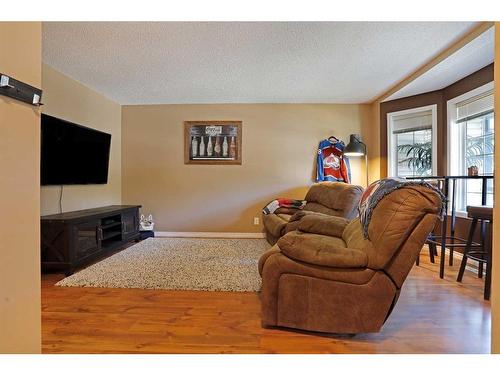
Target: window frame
[(451, 118), (391, 137)]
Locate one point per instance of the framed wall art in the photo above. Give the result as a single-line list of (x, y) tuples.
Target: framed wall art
[(212, 142)]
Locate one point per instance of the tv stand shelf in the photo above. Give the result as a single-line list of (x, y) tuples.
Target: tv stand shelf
[(75, 239), (109, 235), (112, 225)]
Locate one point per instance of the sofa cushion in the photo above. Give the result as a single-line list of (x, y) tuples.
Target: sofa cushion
[(321, 250), (334, 198)]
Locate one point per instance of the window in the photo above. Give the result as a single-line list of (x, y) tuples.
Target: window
[(411, 142), (471, 143)]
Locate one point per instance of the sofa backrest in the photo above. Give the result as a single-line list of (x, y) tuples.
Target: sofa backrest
[(399, 227), (334, 198)]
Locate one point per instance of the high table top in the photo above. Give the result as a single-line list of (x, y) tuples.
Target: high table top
[(450, 177)]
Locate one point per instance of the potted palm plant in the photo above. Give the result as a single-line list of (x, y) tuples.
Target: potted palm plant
[(418, 157)]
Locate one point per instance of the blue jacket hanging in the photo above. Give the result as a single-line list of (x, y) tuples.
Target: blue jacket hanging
[(332, 165)]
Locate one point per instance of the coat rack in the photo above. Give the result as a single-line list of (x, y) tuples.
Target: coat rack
[(19, 90)]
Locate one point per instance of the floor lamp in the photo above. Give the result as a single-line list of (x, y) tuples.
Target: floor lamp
[(357, 148)]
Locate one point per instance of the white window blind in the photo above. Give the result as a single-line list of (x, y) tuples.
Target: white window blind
[(412, 122), (475, 107), (471, 143)]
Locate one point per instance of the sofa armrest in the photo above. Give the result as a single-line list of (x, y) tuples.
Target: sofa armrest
[(303, 213), (286, 210), (262, 260), (326, 225), (321, 250)]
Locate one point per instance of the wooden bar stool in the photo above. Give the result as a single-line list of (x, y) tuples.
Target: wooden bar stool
[(484, 251)]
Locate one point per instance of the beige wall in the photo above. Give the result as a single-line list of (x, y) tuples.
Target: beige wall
[(68, 99), (279, 150), (20, 194), (495, 289)]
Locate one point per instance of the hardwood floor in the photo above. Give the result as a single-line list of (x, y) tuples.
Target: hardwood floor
[(432, 316)]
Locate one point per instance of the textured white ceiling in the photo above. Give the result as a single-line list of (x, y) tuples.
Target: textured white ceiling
[(467, 60), (243, 62)]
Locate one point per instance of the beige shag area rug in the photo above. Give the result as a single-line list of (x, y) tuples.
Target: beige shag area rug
[(178, 264)]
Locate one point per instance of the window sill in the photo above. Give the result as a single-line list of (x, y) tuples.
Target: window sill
[(459, 213)]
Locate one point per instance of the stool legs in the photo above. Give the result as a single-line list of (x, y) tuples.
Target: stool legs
[(480, 269), (487, 282), (487, 285), (432, 251), (466, 250), (487, 251)]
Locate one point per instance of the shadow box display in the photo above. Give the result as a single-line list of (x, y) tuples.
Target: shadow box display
[(212, 142)]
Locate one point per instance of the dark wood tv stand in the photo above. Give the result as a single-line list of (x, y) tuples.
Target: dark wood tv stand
[(74, 239)]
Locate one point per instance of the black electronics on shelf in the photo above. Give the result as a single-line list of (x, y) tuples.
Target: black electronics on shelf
[(19, 90)]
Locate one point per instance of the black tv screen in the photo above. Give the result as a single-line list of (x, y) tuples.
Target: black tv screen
[(73, 154)]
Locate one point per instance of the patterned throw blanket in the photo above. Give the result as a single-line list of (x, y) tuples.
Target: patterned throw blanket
[(283, 202), (379, 189)]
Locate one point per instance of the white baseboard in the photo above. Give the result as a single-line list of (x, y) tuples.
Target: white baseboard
[(209, 235)]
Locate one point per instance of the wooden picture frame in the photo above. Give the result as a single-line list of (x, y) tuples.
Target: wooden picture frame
[(213, 142)]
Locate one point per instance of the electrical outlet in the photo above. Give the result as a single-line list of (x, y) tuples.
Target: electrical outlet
[(256, 221)]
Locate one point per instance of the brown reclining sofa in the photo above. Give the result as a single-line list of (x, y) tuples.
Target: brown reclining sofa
[(329, 198), (327, 277)]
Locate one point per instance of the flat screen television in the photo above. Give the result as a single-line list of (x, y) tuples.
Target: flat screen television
[(73, 154)]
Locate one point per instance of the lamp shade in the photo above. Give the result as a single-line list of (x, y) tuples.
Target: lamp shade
[(355, 147)]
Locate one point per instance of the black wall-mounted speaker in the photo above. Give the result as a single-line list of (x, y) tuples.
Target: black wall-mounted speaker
[(19, 90)]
